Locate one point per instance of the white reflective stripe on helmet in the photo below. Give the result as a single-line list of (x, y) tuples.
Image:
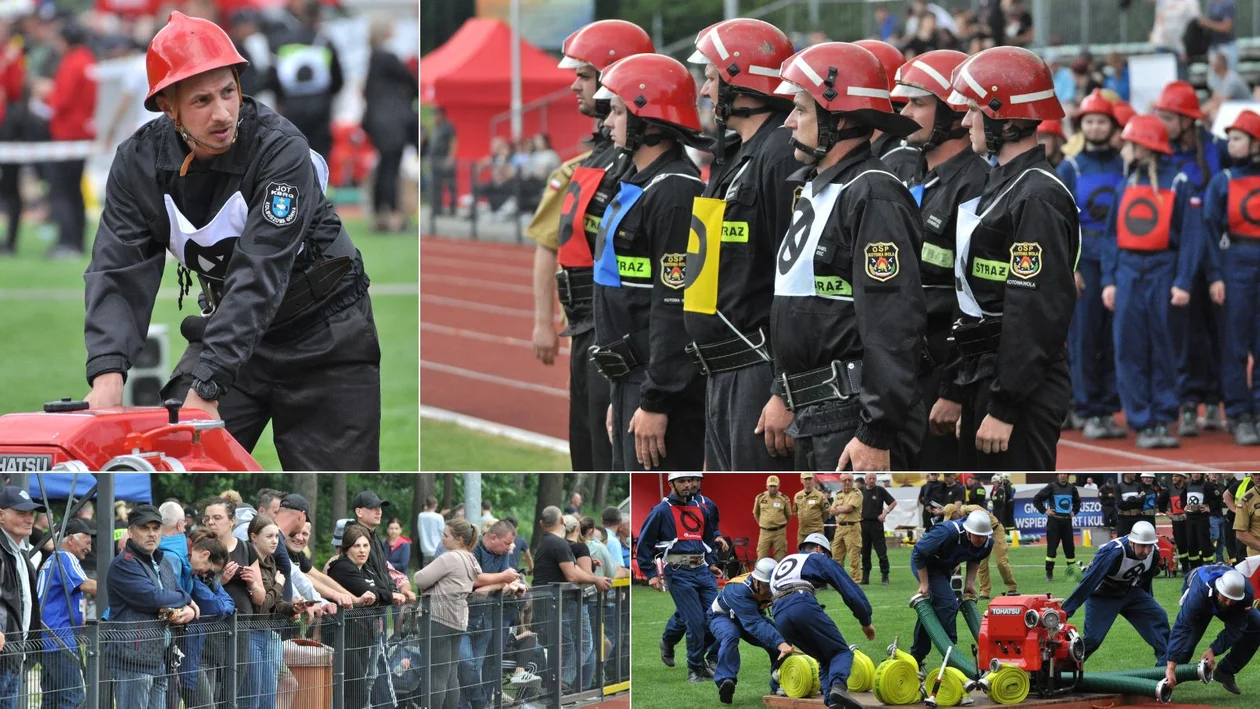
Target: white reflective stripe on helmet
[(907, 91), (763, 71), (932, 72), (808, 71), (863, 91), (570, 63), (697, 57), (1035, 96), (717, 44), (603, 92), (788, 88), (966, 75), (957, 99)]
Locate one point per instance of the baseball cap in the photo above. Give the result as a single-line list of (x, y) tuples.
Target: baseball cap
[(294, 501), (142, 515), (339, 530), (772, 480), (13, 497), (367, 498), (78, 526)]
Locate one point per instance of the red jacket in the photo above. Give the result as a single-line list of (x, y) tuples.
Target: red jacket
[(73, 100), (12, 77)]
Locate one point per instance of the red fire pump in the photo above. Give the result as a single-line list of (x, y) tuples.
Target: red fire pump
[(69, 436), (1029, 632)]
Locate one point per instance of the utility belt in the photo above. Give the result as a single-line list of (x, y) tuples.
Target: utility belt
[(575, 286), (836, 382), (796, 588), (981, 337), (305, 289), (774, 529), (616, 360), (845, 524), (1177, 518), (1058, 515), (1130, 513), (732, 354), (689, 560)]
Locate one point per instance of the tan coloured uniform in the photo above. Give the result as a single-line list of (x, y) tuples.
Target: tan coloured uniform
[(772, 515), (811, 513), (999, 548), (848, 538), (1247, 519)]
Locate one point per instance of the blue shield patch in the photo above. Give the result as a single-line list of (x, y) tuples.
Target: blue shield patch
[(281, 205)]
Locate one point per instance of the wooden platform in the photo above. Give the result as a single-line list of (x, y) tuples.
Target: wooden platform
[(1072, 701)]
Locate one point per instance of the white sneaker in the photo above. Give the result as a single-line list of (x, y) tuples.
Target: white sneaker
[(525, 679)]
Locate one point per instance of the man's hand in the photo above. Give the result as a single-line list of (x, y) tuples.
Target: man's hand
[(969, 591), (1171, 675), (1217, 292), (924, 591), (649, 437), (1210, 657), (1180, 298), (883, 516), (184, 616), (1109, 297), (721, 542), (868, 631), (715, 570), (192, 401), (344, 600), (1080, 284), (196, 608), (655, 582), (1, 641), (511, 576), (546, 342), (603, 583), (774, 421), (107, 391), (608, 423), (784, 650), (229, 571), (399, 599), (945, 417), (367, 599), (994, 436), (864, 457)]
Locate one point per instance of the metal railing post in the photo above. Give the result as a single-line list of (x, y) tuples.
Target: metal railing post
[(92, 667), (518, 193), (231, 661), (496, 639), (426, 641), (339, 660), (597, 638), (558, 627)]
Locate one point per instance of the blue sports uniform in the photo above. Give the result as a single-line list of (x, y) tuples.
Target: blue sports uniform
[(1153, 251), (1092, 176), (736, 615), (944, 547), (1118, 583), (679, 530), (1241, 634), (675, 628), (802, 620)]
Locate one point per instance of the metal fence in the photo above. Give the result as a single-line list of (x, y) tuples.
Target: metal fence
[(485, 198), (551, 646)]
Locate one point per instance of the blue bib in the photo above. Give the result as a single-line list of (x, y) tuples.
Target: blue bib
[(606, 273), (1096, 193)]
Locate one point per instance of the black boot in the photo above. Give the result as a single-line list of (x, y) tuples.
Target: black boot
[(884, 578), (667, 653), (866, 577), (726, 691)]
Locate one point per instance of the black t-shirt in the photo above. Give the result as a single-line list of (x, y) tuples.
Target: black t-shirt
[(873, 501), (244, 555), (552, 551)]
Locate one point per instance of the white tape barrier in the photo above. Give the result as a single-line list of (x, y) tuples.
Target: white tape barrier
[(36, 153)]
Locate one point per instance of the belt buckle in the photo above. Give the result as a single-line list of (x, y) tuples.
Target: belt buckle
[(787, 392), (834, 380), (564, 290), (610, 364), (693, 349)]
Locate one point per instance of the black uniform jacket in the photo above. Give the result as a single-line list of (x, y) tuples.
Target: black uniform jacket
[(957, 180), (1033, 238), (758, 212), (606, 156), (882, 322), (903, 160), (270, 166), (648, 305)]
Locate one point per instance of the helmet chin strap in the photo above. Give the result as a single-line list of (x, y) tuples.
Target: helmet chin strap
[(946, 126), (999, 132), (213, 150), (828, 134)]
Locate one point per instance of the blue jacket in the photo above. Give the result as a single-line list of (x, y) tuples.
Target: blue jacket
[(945, 546), (1093, 176), (175, 549), (1216, 217), (1198, 606), (821, 571), (659, 534), (1185, 229), (1101, 576), (736, 600), (214, 603), (140, 585), (1215, 157)]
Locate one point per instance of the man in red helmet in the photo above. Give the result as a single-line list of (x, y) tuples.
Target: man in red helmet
[(234, 192), (656, 417), (1017, 248), (955, 174), (580, 193), (749, 199), (1093, 176), (848, 316)]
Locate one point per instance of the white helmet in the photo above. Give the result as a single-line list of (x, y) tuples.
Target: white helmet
[(816, 538), (999, 477), (1231, 585), (764, 568), (978, 523), (1142, 533), (1147, 475), (676, 476)]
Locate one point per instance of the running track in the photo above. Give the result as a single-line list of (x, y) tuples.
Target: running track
[(476, 321)]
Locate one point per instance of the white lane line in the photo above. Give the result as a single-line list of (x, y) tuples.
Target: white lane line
[(497, 429)]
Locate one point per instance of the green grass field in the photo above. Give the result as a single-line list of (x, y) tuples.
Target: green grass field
[(447, 446), (656, 685), (42, 354)]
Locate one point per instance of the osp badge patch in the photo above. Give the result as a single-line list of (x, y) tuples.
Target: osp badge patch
[(674, 270), (881, 260), (281, 205), (1025, 259)]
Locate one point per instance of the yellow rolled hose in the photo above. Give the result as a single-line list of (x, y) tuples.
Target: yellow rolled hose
[(1008, 685), (953, 686), (862, 676), (798, 676), (897, 682), (907, 657)]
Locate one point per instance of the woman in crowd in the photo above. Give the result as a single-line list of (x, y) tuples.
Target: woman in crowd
[(265, 651), (364, 629), (399, 546), (200, 673), (586, 652), (390, 120), (449, 579)]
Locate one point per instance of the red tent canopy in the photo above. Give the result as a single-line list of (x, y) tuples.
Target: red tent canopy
[(470, 76)]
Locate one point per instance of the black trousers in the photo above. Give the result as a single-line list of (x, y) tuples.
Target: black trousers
[(936, 452), (1182, 540), (1059, 531), (11, 201), (734, 401), (320, 390), (1199, 539), (1230, 539), (65, 202), (385, 184), (873, 536), (1035, 436), (820, 452), (1124, 524), (589, 394), (684, 435)]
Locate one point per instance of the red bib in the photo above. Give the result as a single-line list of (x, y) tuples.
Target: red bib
[(1177, 507), (1244, 207), (1144, 219), (688, 522), (576, 252)]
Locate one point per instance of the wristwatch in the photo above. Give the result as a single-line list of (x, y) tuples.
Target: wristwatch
[(209, 391)]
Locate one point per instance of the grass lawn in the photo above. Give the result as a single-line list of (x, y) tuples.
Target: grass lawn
[(448, 446), (656, 685), (43, 356)]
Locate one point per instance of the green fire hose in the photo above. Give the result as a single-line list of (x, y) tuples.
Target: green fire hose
[(1185, 673), (971, 614), (1122, 684), (922, 606)]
